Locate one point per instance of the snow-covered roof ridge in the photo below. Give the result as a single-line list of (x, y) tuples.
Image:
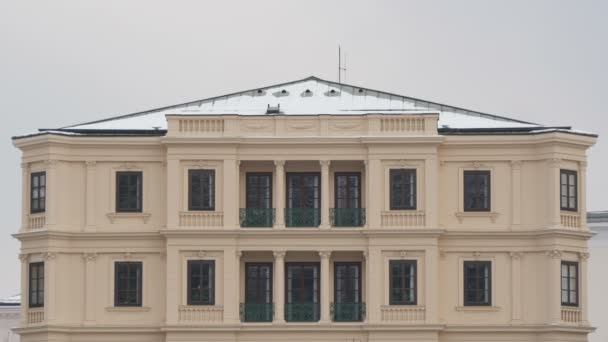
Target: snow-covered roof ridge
[(308, 96)]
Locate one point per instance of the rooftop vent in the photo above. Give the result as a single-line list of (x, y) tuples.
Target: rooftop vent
[(273, 110), (307, 93), (259, 91), (332, 92), (283, 91), (361, 90)]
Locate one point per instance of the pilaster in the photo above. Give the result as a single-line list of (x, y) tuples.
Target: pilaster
[(516, 286), (554, 304), (325, 286), (324, 194), (515, 194), (230, 195), (279, 287), (90, 291), (50, 288), (173, 198), (553, 200), (90, 190), (583, 261), (432, 192), (25, 262), (279, 193)]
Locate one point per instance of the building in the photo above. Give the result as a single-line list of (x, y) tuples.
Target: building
[(9, 318), (598, 280), (308, 210)]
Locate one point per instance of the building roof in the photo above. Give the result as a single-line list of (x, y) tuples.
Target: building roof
[(597, 217), (11, 301), (309, 96)]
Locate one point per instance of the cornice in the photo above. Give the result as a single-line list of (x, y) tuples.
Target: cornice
[(46, 234), (512, 140)]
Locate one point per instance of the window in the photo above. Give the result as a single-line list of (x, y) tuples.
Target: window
[(477, 283), (36, 284), (476, 190), (569, 283), (568, 190), (129, 192), (402, 282), (201, 184), (403, 189), (201, 282), (128, 284), (347, 190), (259, 190), (38, 192)]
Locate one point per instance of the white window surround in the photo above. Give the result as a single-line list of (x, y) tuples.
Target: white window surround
[(218, 274), (417, 165), (492, 306), (420, 275), (215, 165)]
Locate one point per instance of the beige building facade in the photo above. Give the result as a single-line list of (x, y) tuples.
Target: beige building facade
[(309, 210)]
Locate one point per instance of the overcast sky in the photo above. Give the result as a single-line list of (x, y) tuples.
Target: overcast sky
[(66, 62)]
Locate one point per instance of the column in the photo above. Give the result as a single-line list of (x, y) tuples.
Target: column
[(582, 193), (432, 193), (25, 189), (231, 203), (325, 286), (432, 284), (90, 196), (554, 287), (375, 193), (52, 189), (25, 262), (324, 194), (174, 184), (583, 258), (553, 186), (375, 281), (173, 285), (516, 286), (279, 193), (50, 290), (231, 304), (279, 287), (515, 194), (90, 292)]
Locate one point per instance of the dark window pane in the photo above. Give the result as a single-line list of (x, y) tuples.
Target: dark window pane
[(477, 191), (128, 284), (403, 282), (36, 284), (129, 191), (477, 283), (201, 190), (201, 282), (568, 190), (569, 283), (37, 192), (403, 189)]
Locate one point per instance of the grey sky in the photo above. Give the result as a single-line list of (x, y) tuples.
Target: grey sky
[(65, 62)]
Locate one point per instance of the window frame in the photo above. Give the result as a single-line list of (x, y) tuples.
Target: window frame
[(248, 189), (38, 290), (568, 173), (32, 188), (467, 303), (577, 278), (348, 197), (464, 191), (139, 287), (414, 205), (390, 281), (212, 282), (212, 191), (139, 209)]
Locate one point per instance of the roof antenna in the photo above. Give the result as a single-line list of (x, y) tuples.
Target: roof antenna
[(340, 68)]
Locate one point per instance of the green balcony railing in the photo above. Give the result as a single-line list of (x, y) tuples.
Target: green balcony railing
[(257, 217), (302, 312), (347, 217), (348, 312), (254, 312), (302, 217)]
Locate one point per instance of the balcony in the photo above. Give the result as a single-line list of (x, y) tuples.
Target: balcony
[(302, 312), (257, 217), (254, 312), (347, 217), (348, 312), (302, 217)]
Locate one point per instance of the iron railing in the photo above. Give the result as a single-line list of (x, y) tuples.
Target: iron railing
[(302, 217), (257, 217), (347, 217), (255, 312), (302, 312), (348, 312)]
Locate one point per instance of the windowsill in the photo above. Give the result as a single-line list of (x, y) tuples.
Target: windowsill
[(128, 308), (461, 215), (478, 308), (143, 216)]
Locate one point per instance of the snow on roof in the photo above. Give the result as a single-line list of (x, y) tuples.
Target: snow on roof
[(13, 300), (310, 96)]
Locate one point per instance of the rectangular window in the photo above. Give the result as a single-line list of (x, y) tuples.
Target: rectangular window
[(347, 190), (201, 282), (201, 185), (259, 190), (569, 283), (36, 285), (403, 189), (128, 283), (477, 191), (129, 191), (403, 282), (477, 283), (38, 192), (568, 190)]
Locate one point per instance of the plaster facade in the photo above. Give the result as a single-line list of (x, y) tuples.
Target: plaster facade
[(525, 235)]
